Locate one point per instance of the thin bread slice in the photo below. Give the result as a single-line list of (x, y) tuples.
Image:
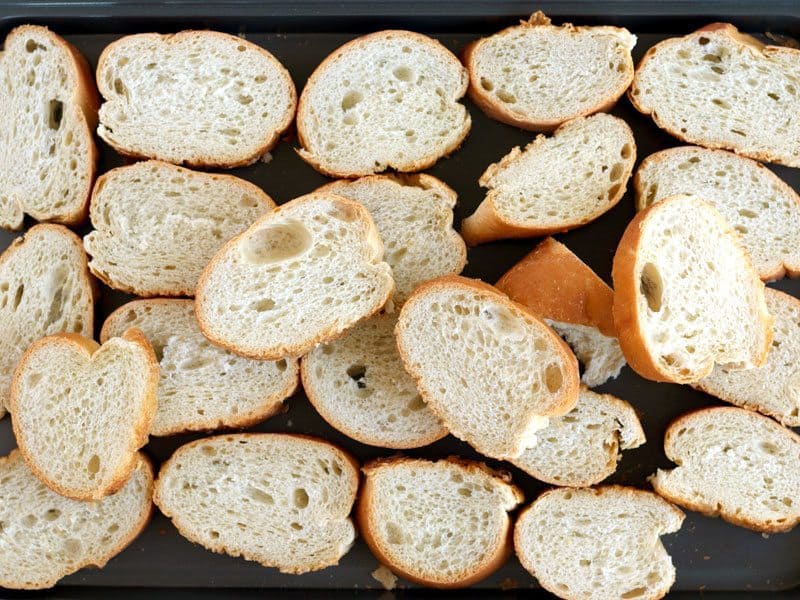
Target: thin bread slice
[(443, 524), (560, 288), (387, 100), (299, 276), (686, 294), (720, 88), (414, 217), (537, 75), (49, 110), (201, 387), (557, 183), (594, 544), (760, 206), (583, 447), (81, 410), (276, 499), (47, 536), (200, 98), (735, 464), (489, 369), (359, 385), (156, 226)]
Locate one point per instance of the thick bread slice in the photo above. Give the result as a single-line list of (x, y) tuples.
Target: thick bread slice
[(45, 288), (157, 225), (763, 209), (414, 217), (723, 89), (582, 448), (201, 387), (686, 294), (200, 98), (489, 369), (600, 543), (561, 289), (47, 536), (299, 276), (557, 183), (443, 524), (359, 385), (736, 464), (537, 75), (387, 100), (49, 110), (276, 499), (81, 410)]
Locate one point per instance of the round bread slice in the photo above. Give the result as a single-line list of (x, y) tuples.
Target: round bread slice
[(49, 110), (201, 387), (299, 276), (489, 369), (595, 544), (157, 225), (359, 385), (200, 98), (537, 75), (81, 410), (387, 100), (686, 294), (443, 524), (276, 499), (735, 464), (557, 183)]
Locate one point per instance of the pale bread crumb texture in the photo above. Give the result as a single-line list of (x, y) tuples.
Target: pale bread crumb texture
[(600, 354), (385, 577)]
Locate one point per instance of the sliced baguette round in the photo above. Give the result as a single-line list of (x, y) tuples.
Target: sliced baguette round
[(200, 98), (201, 387), (595, 544), (557, 183), (686, 294), (442, 524), (49, 110), (81, 411), (517, 75), (489, 369), (156, 226), (735, 464), (720, 88), (280, 500), (47, 536), (387, 100)]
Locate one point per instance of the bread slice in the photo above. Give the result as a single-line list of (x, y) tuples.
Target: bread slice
[(557, 183), (517, 76), (560, 288), (200, 98), (48, 156), (598, 543), (45, 288), (489, 369), (735, 464), (720, 88), (443, 524), (201, 387), (763, 209), (299, 276), (414, 217), (81, 410), (47, 536), (387, 100), (359, 385), (276, 499), (583, 447), (686, 294)]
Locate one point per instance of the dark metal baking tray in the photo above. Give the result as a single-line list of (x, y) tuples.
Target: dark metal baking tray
[(708, 553)]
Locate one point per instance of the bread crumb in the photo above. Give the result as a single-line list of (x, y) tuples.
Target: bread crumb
[(266, 158), (385, 577)]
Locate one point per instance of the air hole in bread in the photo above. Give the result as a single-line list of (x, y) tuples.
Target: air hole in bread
[(296, 526), (55, 113), (214, 534), (276, 243), (93, 466), (486, 84), (553, 378), (18, 296), (651, 286), (351, 98), (357, 373), (263, 305), (721, 103), (52, 514), (281, 364), (703, 40), (119, 87), (300, 498), (741, 229), (403, 73), (615, 173), (506, 97), (32, 46), (260, 496)]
